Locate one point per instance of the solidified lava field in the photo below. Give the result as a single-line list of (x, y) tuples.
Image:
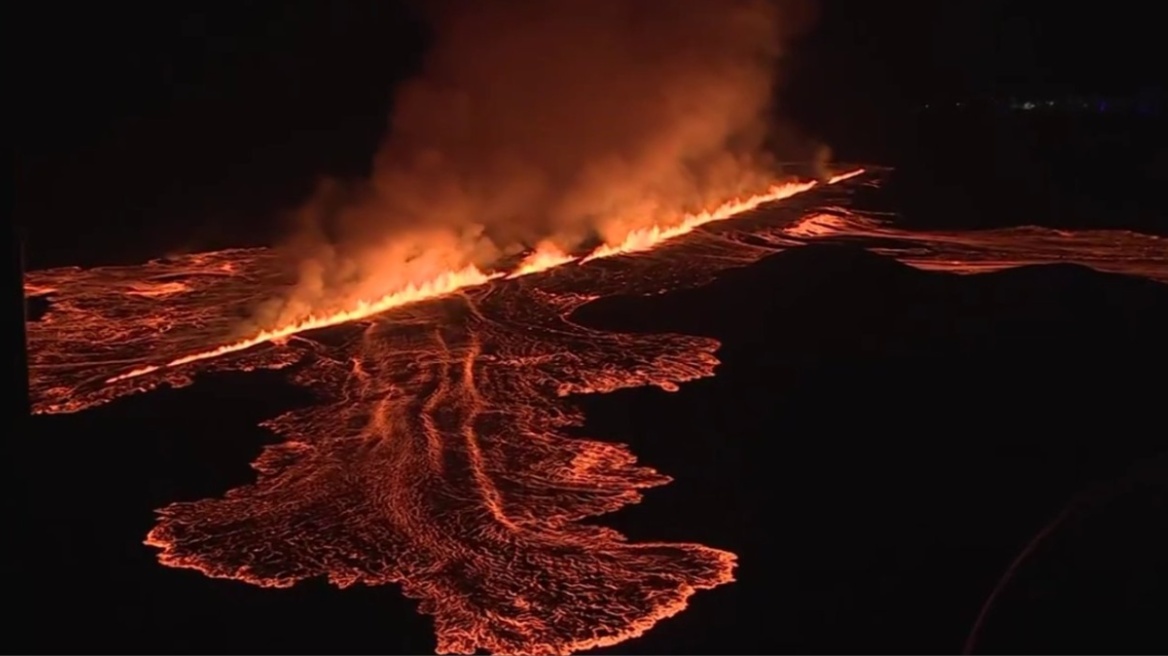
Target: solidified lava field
[(437, 456)]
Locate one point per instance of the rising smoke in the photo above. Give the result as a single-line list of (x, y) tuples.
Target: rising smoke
[(559, 121)]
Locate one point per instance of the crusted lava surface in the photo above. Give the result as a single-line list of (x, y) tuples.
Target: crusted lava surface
[(836, 417)]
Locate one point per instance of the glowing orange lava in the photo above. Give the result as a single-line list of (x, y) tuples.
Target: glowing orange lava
[(545, 256), (445, 283), (542, 259), (441, 454), (646, 238)]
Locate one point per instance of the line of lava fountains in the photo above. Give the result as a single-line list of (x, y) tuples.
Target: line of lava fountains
[(542, 259)]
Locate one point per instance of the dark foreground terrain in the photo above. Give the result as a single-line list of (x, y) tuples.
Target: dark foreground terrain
[(881, 442), (877, 447)]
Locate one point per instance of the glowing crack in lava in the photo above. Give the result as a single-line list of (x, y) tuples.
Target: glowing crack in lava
[(444, 283), (452, 281), (438, 455)]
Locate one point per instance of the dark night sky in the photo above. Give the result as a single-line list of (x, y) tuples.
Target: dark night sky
[(135, 117)]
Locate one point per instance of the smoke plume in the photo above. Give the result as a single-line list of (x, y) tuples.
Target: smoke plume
[(566, 122)]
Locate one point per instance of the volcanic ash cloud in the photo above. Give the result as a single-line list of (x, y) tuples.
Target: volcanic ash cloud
[(560, 121)]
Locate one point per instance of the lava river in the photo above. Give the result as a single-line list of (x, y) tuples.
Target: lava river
[(437, 456)]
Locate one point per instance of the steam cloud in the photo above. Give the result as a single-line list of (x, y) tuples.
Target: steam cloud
[(561, 121)]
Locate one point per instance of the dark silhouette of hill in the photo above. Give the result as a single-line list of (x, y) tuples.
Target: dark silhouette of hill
[(985, 168), (880, 442)]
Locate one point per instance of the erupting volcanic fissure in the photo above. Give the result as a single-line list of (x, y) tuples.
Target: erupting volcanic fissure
[(438, 456), (448, 282), (541, 139)]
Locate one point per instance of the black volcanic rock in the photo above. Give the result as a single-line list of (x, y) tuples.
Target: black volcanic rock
[(877, 447), (880, 442), (83, 490), (842, 297)]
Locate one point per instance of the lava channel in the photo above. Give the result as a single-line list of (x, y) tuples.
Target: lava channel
[(438, 456)]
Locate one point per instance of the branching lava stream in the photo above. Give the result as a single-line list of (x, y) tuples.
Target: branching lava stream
[(437, 457)]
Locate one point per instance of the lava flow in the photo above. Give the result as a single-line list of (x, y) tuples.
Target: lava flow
[(452, 281), (444, 283), (438, 455)]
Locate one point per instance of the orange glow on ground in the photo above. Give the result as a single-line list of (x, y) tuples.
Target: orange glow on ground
[(546, 256), (441, 454), (445, 283), (646, 238), (448, 282)]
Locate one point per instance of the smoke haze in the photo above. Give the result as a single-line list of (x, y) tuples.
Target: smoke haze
[(559, 121)]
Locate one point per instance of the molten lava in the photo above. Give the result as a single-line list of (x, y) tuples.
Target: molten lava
[(445, 283), (451, 281), (645, 238), (545, 256), (438, 456)]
